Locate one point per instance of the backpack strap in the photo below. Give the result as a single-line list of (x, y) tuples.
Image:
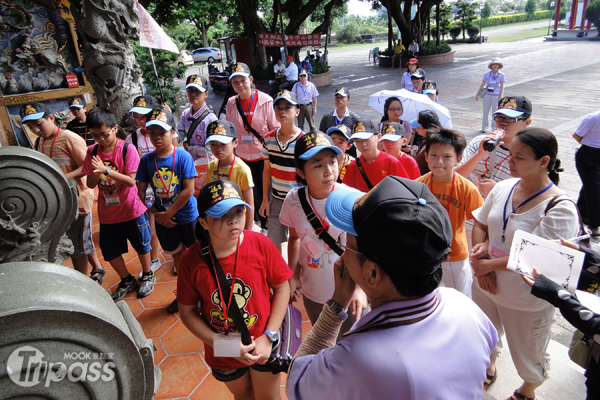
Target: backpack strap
[(248, 127), (37, 144), (312, 217), (190, 131), (220, 280), (560, 198), (363, 173), (134, 138)]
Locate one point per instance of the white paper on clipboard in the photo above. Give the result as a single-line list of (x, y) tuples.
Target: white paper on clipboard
[(557, 262)]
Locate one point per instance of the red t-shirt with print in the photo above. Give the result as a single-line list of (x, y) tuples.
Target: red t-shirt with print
[(383, 166), (259, 267)]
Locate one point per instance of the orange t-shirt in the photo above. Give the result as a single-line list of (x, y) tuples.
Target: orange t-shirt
[(465, 199), (69, 153)]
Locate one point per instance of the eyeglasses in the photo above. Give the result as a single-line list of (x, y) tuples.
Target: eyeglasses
[(395, 109), (102, 136), (344, 247), (501, 118)]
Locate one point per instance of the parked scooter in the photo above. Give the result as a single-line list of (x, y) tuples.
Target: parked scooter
[(218, 80)]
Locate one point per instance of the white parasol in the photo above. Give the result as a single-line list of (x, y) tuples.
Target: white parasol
[(412, 103)]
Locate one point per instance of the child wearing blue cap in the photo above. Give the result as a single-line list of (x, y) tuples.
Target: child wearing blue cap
[(310, 256), (254, 268), (169, 172)]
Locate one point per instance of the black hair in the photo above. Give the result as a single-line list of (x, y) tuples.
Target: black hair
[(543, 143), (446, 136), (406, 285), (99, 117), (386, 105), (300, 165)]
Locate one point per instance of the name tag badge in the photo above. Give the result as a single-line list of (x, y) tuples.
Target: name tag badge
[(112, 200), (227, 345), (491, 86), (313, 245), (247, 137), (496, 251)]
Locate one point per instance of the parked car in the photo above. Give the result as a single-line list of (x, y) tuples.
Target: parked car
[(185, 58), (206, 54)]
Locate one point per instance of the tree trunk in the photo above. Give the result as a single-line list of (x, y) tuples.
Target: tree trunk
[(428, 28), (285, 49), (437, 23), (248, 12), (204, 34), (390, 45), (110, 64)]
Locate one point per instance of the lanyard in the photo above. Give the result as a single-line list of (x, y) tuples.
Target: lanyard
[(147, 144), (325, 225), (52, 145), (451, 190), (337, 120), (230, 170), (172, 174), (505, 218), (226, 307), (251, 102), (114, 162), (305, 95), (487, 170)]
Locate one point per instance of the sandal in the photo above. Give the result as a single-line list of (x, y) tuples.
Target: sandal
[(489, 379), (518, 396), (173, 307), (98, 275)]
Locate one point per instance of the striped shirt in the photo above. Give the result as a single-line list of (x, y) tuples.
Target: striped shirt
[(500, 171), (283, 166)]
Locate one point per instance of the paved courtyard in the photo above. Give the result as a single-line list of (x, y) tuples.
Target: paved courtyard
[(561, 80)]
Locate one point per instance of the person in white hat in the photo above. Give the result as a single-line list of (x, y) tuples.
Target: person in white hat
[(493, 81)]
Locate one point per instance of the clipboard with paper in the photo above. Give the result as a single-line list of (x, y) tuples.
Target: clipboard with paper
[(557, 262)]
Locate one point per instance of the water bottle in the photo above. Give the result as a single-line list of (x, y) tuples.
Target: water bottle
[(490, 145)]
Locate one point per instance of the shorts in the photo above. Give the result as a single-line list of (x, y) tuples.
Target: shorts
[(80, 233), (172, 239), (113, 237), (230, 375), (276, 231)]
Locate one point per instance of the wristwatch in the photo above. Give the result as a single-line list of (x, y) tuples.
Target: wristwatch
[(337, 309), (108, 170), (272, 335)]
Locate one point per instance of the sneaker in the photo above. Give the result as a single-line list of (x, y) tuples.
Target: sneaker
[(263, 231), (124, 288), (154, 266), (146, 285)]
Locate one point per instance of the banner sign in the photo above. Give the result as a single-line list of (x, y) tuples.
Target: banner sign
[(152, 35), (275, 40)]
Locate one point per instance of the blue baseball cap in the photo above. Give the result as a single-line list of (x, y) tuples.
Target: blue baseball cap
[(218, 197), (393, 131), (310, 144), (33, 111), (221, 131), (514, 107), (162, 118), (144, 104), (343, 129), (364, 129)]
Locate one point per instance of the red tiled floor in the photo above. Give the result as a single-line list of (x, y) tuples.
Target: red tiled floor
[(180, 340), (186, 373), (161, 296), (156, 322)]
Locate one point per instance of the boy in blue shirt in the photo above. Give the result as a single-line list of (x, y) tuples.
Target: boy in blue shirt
[(171, 174)]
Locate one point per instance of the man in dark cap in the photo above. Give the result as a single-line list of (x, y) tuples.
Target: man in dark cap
[(419, 341)]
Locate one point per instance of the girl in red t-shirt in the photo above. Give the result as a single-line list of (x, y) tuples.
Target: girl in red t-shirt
[(253, 264)]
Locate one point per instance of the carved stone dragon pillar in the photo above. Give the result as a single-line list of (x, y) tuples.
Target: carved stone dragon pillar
[(105, 29)]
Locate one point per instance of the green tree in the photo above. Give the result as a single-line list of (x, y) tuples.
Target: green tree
[(487, 10), (455, 32), (530, 8), (167, 73), (466, 15), (445, 15), (592, 13), (350, 32), (401, 12)]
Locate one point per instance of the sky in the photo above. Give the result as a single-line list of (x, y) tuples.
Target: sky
[(360, 8)]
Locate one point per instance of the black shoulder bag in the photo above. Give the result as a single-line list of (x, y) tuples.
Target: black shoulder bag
[(316, 223), (363, 173), (190, 131), (249, 128), (290, 332)]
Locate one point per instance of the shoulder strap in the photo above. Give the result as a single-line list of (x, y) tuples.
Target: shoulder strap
[(125, 145), (37, 144), (134, 138), (248, 127), (316, 223), (363, 173), (190, 132), (95, 150), (219, 276), (559, 198)]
